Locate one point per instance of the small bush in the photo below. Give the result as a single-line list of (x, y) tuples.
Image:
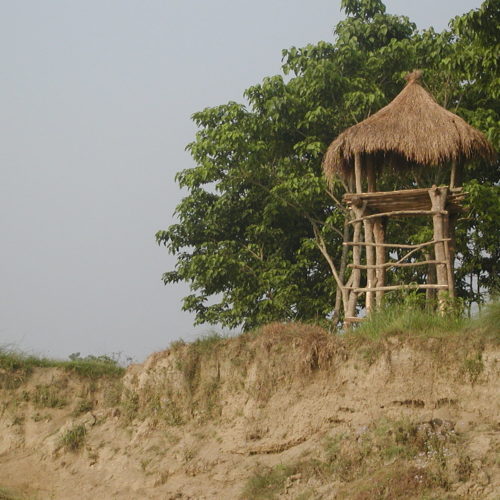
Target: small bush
[(73, 439)]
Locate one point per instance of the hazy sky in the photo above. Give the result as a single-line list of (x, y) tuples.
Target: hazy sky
[(95, 105)]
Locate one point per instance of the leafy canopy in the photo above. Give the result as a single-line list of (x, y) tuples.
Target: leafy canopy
[(259, 234)]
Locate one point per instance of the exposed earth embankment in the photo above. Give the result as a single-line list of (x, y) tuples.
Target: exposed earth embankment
[(289, 411)]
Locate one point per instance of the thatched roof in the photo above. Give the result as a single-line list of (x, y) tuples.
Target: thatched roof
[(413, 128)]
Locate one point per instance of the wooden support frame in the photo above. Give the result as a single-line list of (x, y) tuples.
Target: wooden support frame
[(375, 247), (395, 245), (440, 223), (396, 213), (398, 287), (380, 258), (356, 258), (388, 265)]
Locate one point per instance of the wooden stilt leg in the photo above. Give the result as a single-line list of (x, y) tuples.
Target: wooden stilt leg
[(356, 273), (438, 201), (370, 261), (356, 251), (380, 257)]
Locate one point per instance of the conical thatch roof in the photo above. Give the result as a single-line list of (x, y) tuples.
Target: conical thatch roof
[(413, 128)]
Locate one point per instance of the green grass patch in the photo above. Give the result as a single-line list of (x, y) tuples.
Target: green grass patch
[(397, 320), (442, 334), (93, 369), (202, 345), (267, 482), (17, 367), (74, 439)]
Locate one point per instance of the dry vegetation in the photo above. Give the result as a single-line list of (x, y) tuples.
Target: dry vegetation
[(406, 406)]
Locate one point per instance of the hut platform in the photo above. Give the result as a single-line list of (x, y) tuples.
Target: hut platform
[(407, 201)]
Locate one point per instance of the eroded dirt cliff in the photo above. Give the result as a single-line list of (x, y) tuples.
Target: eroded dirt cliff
[(288, 412)]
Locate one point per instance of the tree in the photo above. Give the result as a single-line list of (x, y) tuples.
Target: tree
[(259, 235)]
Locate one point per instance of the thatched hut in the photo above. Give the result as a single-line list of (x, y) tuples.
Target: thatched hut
[(411, 131)]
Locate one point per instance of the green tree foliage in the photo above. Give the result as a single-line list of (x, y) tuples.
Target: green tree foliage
[(259, 234)]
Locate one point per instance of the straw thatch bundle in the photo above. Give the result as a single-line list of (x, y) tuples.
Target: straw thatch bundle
[(413, 128)]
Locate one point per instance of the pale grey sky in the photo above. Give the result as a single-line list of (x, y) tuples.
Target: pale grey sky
[(96, 98)]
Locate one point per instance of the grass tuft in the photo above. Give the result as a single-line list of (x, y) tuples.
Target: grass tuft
[(267, 482), (73, 439), (48, 396)]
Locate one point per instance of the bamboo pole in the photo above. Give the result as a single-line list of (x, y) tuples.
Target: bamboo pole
[(398, 264), (397, 287), (356, 258), (438, 201), (368, 224), (453, 173), (399, 192), (370, 261), (394, 245), (395, 213), (357, 172), (447, 253), (380, 258), (452, 220)]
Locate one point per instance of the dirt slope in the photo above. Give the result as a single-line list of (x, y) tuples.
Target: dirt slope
[(290, 412)]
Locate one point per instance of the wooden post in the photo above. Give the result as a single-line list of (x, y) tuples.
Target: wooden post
[(370, 261), (451, 221), (358, 212), (448, 255), (438, 201), (358, 173), (369, 236), (453, 173), (356, 259), (380, 258)]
